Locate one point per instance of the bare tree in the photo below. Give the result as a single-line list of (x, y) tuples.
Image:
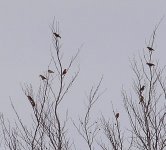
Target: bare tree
[(88, 128), (49, 130), (145, 108), (112, 132)]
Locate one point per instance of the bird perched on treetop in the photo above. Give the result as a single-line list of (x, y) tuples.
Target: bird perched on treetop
[(142, 88), (56, 35), (150, 64), (64, 72), (42, 77), (50, 71), (150, 49), (31, 101), (117, 115)]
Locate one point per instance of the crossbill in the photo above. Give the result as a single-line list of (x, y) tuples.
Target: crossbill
[(117, 115), (150, 49), (142, 88), (50, 71), (141, 99), (56, 35), (42, 77), (150, 64), (31, 101), (64, 72)]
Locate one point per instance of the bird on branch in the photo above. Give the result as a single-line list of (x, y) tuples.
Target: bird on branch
[(117, 115), (50, 71), (56, 35), (150, 49), (64, 72), (150, 64), (42, 77), (142, 88), (31, 100), (141, 99)]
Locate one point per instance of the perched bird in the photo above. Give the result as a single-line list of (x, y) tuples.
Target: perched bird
[(141, 99), (150, 64), (31, 101), (150, 49), (64, 72), (142, 88), (42, 77), (56, 35), (117, 115), (50, 71)]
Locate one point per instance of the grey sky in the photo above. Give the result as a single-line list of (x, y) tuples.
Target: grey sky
[(111, 31)]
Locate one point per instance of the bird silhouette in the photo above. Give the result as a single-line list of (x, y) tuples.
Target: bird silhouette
[(42, 77), (150, 64), (117, 115), (56, 35), (142, 88), (141, 99), (150, 49), (31, 101), (50, 71), (64, 72)]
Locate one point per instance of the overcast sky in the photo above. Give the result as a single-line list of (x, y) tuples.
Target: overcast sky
[(111, 32)]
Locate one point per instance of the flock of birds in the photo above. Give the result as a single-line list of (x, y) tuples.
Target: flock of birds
[(50, 71), (65, 71), (142, 87), (151, 50), (31, 100)]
